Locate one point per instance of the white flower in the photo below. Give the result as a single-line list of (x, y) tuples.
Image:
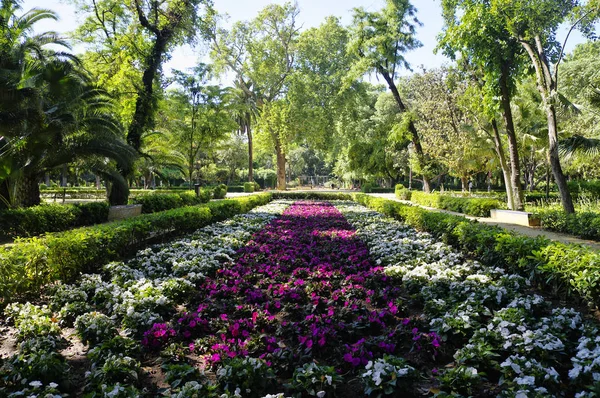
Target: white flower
[(321, 394), (36, 384)]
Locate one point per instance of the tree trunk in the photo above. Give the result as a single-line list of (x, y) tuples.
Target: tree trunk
[(281, 185), (503, 165), (4, 194), (416, 140), (250, 150), (63, 176), (98, 182), (28, 191), (118, 192), (513, 149), (464, 183), (559, 177), (547, 86)]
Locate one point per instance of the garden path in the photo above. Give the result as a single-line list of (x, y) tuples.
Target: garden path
[(521, 229)]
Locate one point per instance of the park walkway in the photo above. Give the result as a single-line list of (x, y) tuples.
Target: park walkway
[(521, 229)]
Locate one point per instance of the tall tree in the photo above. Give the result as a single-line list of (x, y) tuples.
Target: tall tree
[(168, 23), (379, 41), (488, 47), (261, 53), (535, 24)]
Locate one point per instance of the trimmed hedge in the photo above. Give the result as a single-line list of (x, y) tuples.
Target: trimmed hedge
[(402, 193), (158, 201), (561, 269), (235, 188), (249, 187), (219, 192), (478, 207), (311, 195), (582, 224), (33, 262), (37, 220)]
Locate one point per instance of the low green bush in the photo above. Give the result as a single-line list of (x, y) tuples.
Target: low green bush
[(366, 188), (478, 207), (37, 220), (33, 262), (568, 271), (159, 201), (256, 186), (402, 193), (585, 224), (220, 191), (248, 187), (381, 190), (588, 189), (235, 188), (312, 195)]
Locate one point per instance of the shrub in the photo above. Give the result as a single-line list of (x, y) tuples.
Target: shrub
[(248, 187), (32, 262), (402, 193), (94, 327), (256, 186), (366, 188), (246, 374), (220, 191), (235, 188), (583, 224), (38, 220), (478, 207), (312, 379)]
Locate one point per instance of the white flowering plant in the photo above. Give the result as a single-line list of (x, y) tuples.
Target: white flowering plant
[(247, 377), (95, 327), (387, 375), (315, 380)]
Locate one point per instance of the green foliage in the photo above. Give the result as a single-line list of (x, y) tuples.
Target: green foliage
[(248, 374), (366, 188), (312, 379), (402, 193), (249, 187), (37, 220), (564, 270), (582, 224), (33, 262), (158, 201), (311, 195), (220, 191), (587, 189), (478, 207), (94, 328)]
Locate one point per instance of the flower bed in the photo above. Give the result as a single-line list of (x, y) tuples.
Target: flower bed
[(321, 301)]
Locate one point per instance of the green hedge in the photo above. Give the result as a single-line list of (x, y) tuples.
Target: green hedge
[(33, 262), (235, 188), (591, 189), (220, 191), (582, 224), (37, 220), (249, 187), (402, 193), (478, 207), (158, 201), (312, 195), (560, 269)]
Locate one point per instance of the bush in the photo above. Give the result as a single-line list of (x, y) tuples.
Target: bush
[(402, 193), (588, 189), (478, 207), (583, 224), (312, 195), (235, 188), (248, 187), (564, 270), (220, 191), (256, 186), (155, 202), (40, 219), (366, 188), (33, 262), (381, 190)]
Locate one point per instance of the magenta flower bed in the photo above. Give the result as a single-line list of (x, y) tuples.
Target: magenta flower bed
[(303, 290)]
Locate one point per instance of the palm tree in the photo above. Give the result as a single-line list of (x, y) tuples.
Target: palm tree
[(51, 113), (245, 111)]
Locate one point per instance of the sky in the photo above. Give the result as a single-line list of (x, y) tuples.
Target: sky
[(312, 14)]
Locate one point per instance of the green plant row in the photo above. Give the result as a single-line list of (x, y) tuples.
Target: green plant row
[(478, 207), (402, 192), (305, 195), (37, 220), (159, 201), (560, 269), (33, 262), (584, 224)]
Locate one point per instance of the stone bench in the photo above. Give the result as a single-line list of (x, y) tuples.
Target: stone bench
[(515, 217), (122, 212)]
